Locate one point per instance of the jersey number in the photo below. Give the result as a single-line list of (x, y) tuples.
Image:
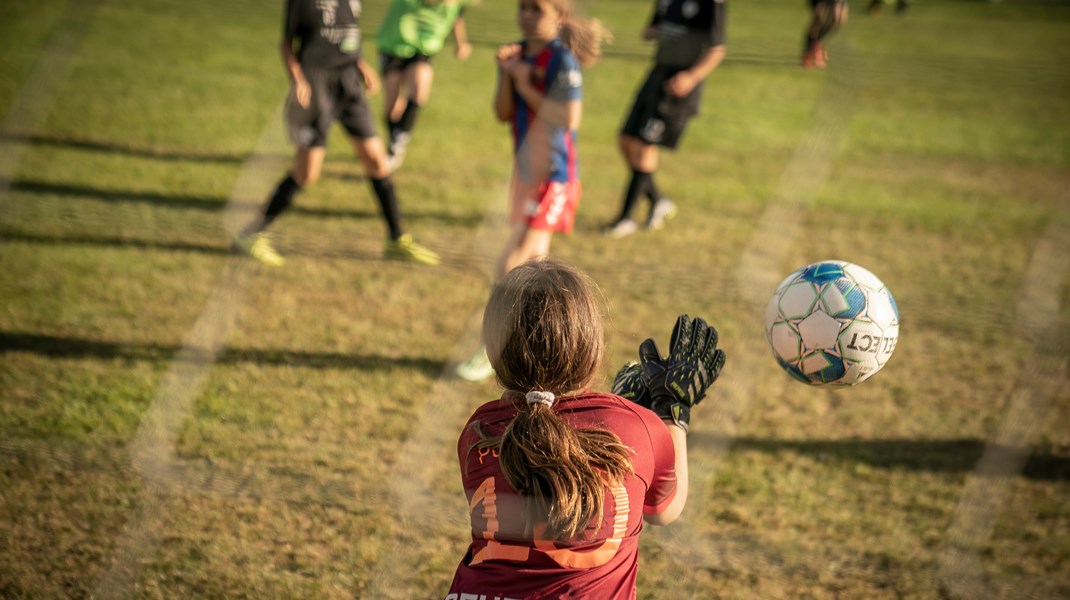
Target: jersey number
[(494, 550)]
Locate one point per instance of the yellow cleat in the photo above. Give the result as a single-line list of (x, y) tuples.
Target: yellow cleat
[(258, 246), (404, 248)]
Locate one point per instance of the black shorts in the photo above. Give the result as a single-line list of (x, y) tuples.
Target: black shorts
[(658, 117), (814, 3), (337, 95), (389, 63)]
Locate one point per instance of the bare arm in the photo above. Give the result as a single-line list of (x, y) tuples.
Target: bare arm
[(504, 107), (676, 505), (503, 99), (302, 91), (683, 82), (551, 112), (370, 77), (460, 36)]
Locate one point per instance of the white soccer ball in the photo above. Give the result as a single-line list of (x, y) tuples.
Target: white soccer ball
[(832, 323)]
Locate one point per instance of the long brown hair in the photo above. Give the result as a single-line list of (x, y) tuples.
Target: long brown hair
[(583, 37), (543, 331)]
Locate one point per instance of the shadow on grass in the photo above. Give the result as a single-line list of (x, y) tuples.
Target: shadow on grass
[(292, 246), (217, 203), (113, 241), (125, 149), (70, 347), (948, 455)]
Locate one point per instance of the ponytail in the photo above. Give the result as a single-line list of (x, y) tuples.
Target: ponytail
[(585, 37), (561, 471)]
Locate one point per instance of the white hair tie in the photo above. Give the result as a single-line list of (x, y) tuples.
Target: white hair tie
[(536, 397)]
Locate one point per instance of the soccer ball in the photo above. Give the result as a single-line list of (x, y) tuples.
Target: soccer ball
[(832, 323)]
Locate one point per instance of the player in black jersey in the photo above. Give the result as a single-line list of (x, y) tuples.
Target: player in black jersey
[(321, 48), (690, 45), (827, 17)]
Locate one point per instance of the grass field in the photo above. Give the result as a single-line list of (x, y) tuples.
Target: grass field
[(180, 422)]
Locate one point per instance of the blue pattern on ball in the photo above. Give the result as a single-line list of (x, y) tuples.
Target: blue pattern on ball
[(855, 297), (822, 272), (835, 370)]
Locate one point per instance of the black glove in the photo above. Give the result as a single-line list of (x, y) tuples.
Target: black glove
[(678, 382), (630, 383)]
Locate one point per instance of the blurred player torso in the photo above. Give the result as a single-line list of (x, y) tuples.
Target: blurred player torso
[(684, 29), (413, 27), (328, 31), (547, 152)]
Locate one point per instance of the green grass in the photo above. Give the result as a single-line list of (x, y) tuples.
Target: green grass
[(178, 422)]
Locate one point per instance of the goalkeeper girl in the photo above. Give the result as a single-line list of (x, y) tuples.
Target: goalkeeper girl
[(560, 478), (540, 93), (321, 51), (412, 32)]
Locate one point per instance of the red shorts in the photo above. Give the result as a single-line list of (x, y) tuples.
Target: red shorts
[(550, 205)]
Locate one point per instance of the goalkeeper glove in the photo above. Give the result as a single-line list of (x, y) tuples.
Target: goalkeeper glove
[(630, 383), (678, 382)]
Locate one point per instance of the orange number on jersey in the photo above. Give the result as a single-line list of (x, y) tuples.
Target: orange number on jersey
[(485, 496)]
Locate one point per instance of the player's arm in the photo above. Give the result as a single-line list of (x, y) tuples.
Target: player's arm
[(370, 77), (462, 48), (670, 387), (550, 111), (561, 105), (685, 81), (504, 105), (675, 508), (302, 90)]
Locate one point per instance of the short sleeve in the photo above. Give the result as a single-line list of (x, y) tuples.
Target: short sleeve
[(717, 27), (567, 83), (292, 19), (663, 484)]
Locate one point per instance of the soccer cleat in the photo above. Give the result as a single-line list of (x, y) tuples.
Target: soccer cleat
[(662, 211), (620, 229), (404, 248), (398, 145), (258, 246), (476, 368)]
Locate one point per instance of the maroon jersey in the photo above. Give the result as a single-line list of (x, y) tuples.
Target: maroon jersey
[(508, 560)]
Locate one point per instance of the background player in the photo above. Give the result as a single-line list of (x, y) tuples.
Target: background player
[(560, 479), (540, 92), (411, 33), (321, 48), (690, 45), (827, 17)]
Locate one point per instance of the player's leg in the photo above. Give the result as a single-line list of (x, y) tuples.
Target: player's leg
[(833, 17), (393, 103), (642, 161), (418, 75), (812, 36), (308, 126), (355, 115), (524, 244), (373, 158)]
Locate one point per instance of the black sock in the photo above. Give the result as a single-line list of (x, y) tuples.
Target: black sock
[(280, 201), (388, 202), (652, 191), (408, 118), (636, 187)]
